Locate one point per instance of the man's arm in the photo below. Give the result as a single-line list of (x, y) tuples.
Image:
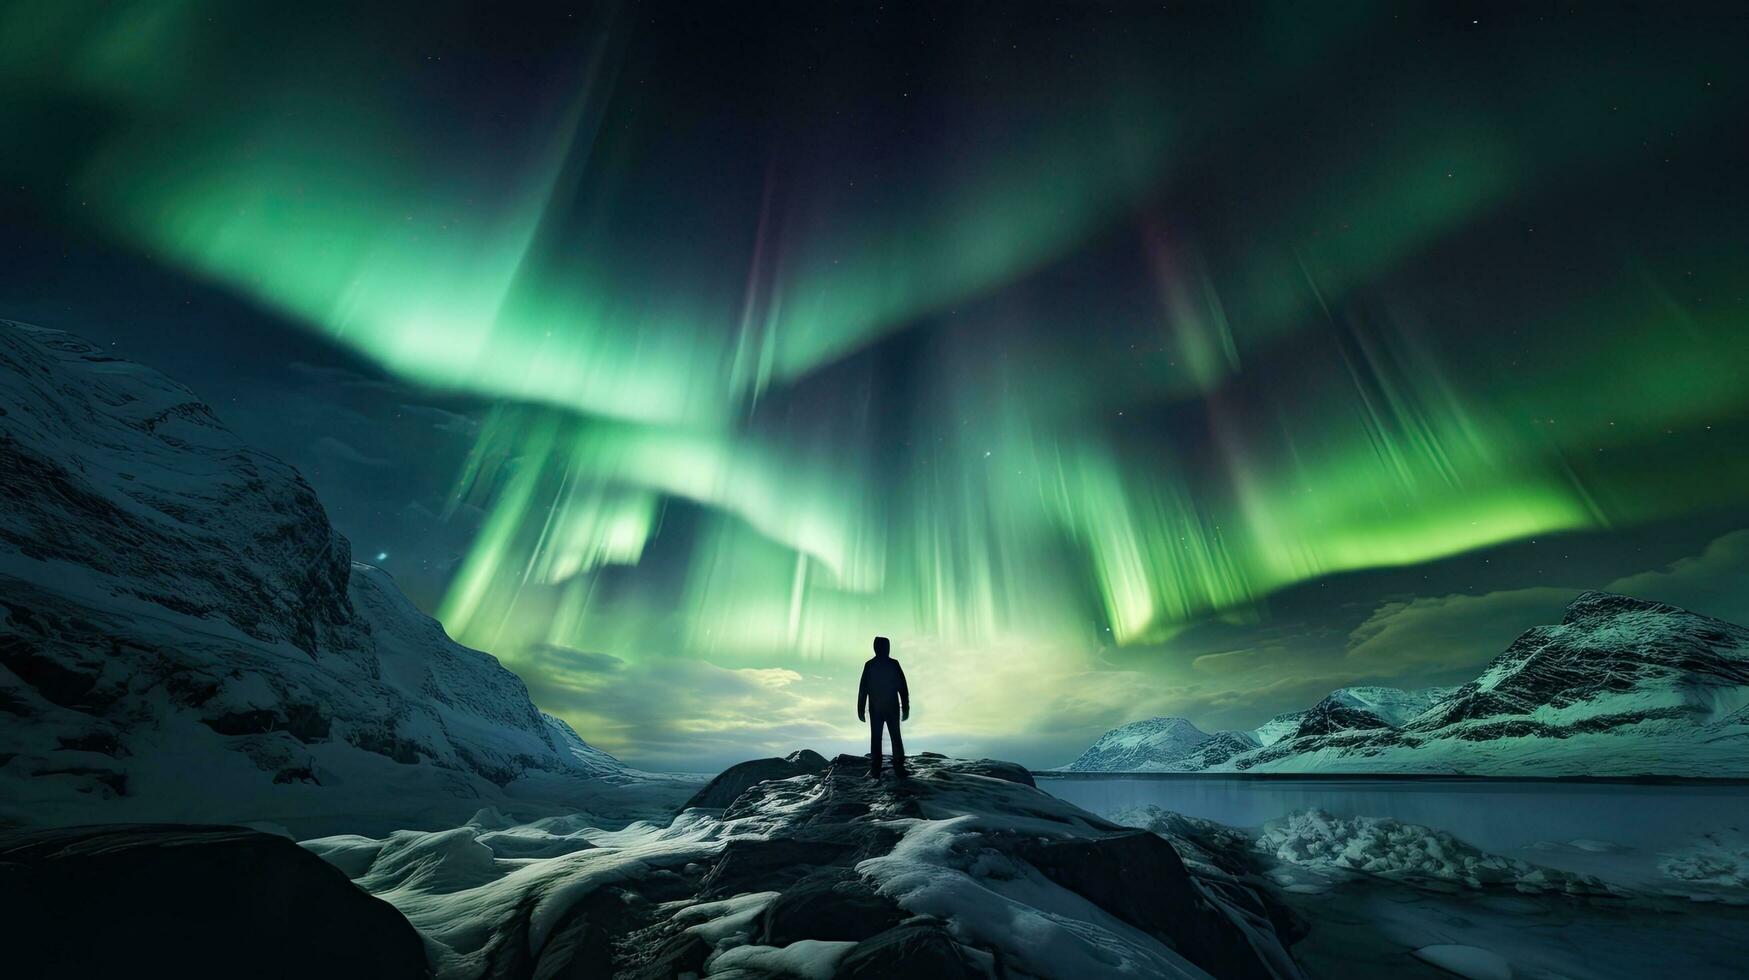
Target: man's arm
[(862, 694), (904, 693)]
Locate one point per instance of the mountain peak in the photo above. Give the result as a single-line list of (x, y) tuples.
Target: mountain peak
[(1596, 603), (1171, 723)]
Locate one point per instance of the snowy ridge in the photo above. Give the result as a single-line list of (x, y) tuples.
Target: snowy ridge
[(183, 635), (1620, 686)]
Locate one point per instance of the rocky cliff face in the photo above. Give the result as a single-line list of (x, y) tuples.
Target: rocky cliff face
[(185, 636), (1620, 686)]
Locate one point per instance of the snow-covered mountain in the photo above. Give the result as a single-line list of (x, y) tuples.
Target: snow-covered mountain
[(185, 636), (1620, 686), (1369, 707), (1153, 745), (1279, 727), (1177, 745)]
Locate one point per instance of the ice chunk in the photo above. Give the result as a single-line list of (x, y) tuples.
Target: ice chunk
[(1393, 849)]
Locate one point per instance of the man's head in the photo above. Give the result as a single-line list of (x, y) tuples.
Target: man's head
[(881, 646)]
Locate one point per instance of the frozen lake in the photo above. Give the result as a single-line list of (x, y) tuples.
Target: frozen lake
[(1617, 831)]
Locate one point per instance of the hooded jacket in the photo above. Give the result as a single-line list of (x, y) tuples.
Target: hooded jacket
[(883, 688)]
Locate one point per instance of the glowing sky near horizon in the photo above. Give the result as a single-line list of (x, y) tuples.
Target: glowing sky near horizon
[(991, 364)]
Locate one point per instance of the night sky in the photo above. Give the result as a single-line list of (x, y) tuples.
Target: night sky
[(1113, 360)]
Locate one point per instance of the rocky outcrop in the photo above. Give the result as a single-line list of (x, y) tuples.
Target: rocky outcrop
[(831, 873), (915, 949), (1140, 878), (833, 904), (731, 782), (157, 900)]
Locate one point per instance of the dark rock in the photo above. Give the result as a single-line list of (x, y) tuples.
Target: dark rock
[(55, 682), (305, 722), (682, 953), (101, 743), (595, 938), (720, 792), (1139, 878), (581, 946), (911, 952), (997, 769), (190, 901), (753, 865), (834, 904)]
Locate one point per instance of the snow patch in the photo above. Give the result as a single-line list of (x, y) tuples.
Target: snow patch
[(731, 918), (807, 959)]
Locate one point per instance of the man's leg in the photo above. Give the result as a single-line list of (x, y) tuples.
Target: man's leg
[(898, 743), (874, 742)]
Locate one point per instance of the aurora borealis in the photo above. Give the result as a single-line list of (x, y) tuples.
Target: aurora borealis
[(1066, 346)]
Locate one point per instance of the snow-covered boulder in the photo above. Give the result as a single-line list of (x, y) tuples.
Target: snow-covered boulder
[(184, 637)]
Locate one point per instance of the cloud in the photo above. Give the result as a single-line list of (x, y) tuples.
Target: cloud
[(1228, 660), (676, 713), (1714, 582), (1455, 633), (588, 661)]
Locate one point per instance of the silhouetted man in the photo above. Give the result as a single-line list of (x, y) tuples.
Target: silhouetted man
[(888, 700)]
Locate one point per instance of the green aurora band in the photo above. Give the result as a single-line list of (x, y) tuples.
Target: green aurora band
[(1033, 484)]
